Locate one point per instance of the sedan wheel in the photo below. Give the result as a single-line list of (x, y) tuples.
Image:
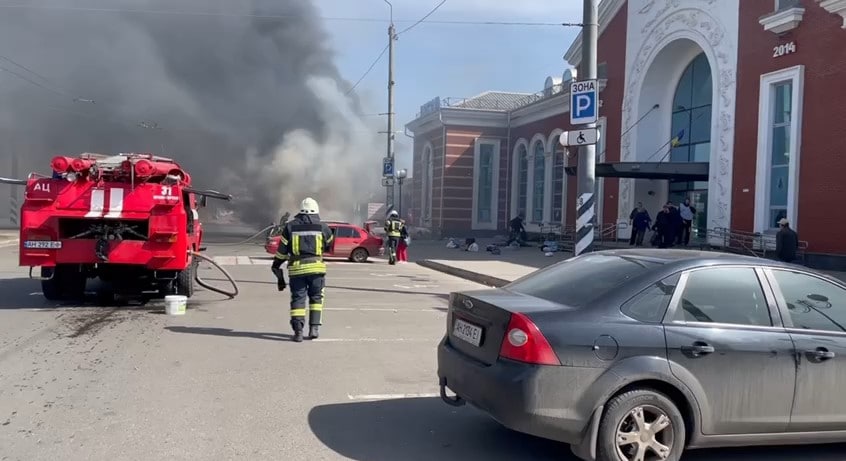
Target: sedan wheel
[(359, 255), (645, 432), (641, 425)]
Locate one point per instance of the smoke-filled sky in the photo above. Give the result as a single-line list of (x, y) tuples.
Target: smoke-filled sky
[(253, 107)]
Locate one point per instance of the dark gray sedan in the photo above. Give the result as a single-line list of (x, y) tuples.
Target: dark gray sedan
[(641, 354)]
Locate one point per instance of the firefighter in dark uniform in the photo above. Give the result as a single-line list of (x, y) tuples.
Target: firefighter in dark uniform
[(394, 227), (303, 242)]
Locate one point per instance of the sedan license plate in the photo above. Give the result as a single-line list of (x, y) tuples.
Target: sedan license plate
[(43, 244), (467, 332)]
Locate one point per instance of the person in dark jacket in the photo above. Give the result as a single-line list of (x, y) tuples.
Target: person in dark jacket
[(517, 230), (632, 216), (640, 224), (662, 228), (675, 225), (787, 242)]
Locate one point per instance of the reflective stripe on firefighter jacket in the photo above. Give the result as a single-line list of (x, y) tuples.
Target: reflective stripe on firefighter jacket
[(302, 244), (393, 227)]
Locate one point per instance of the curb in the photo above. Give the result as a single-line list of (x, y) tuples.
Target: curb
[(483, 279)]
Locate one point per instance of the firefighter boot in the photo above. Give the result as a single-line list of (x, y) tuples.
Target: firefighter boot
[(298, 324), (313, 331)]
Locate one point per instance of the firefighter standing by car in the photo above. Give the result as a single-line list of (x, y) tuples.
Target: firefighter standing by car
[(395, 228), (302, 243)]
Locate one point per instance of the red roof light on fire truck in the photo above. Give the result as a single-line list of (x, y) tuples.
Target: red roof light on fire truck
[(79, 165), (60, 163), (144, 168)]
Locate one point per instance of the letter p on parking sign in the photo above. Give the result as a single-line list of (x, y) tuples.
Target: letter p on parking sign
[(584, 98)]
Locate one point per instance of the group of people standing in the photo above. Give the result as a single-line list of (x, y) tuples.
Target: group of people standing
[(672, 225)]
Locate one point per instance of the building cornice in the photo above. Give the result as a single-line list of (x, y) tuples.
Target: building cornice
[(475, 118), (608, 9), (547, 108), (836, 7), (451, 116), (423, 124)]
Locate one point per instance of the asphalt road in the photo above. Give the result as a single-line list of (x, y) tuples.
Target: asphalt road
[(223, 382)]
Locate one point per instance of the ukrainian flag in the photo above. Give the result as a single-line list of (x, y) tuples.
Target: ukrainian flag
[(677, 140)]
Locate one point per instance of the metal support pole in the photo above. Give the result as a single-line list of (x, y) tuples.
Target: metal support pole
[(585, 213), (389, 203), (399, 208)]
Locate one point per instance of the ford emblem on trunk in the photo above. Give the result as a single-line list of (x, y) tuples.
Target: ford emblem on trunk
[(468, 304)]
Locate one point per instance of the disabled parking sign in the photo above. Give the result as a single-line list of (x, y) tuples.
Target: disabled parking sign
[(584, 98)]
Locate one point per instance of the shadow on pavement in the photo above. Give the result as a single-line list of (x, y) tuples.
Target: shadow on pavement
[(230, 333), (22, 293), (793, 453), (427, 429), (422, 429)]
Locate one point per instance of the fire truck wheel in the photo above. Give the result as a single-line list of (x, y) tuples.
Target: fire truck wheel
[(67, 283), (51, 288), (185, 280)]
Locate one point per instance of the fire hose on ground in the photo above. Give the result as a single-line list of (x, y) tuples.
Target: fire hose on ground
[(248, 240), (202, 283)]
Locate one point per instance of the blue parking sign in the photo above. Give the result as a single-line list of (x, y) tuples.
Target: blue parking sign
[(387, 166), (584, 98)]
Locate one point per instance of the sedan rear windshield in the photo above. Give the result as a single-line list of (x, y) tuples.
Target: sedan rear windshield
[(577, 281)]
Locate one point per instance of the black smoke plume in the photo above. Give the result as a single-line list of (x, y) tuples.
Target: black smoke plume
[(251, 106)]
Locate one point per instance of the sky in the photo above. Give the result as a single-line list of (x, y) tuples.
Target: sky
[(448, 60)]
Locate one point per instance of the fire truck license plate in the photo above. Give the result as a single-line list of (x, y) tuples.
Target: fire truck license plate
[(42, 244)]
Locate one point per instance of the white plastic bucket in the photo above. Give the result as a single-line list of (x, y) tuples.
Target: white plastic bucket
[(175, 304)]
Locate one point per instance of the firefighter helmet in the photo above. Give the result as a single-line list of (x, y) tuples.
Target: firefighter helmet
[(309, 206), (393, 214)]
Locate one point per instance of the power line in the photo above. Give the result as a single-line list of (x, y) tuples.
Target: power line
[(378, 58), (22, 77), (422, 19), (286, 16), (43, 78)]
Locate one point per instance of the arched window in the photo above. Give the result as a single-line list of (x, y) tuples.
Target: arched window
[(692, 113), (426, 192), (522, 179), (692, 126), (539, 182), (558, 182)]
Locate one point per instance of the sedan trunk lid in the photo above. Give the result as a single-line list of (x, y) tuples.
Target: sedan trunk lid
[(477, 320)]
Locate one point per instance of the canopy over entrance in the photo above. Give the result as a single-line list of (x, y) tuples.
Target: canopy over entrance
[(674, 171)]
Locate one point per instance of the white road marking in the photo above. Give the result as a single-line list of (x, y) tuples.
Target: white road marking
[(392, 396), (115, 202), (412, 287)]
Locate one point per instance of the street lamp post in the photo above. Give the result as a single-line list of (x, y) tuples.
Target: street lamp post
[(401, 175)]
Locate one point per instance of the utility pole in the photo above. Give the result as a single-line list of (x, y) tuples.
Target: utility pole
[(585, 213), (392, 36)]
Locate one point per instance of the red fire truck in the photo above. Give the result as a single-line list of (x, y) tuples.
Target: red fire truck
[(129, 219)]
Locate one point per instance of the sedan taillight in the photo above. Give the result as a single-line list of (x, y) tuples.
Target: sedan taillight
[(524, 342)]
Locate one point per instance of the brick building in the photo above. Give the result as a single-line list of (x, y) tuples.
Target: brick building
[(749, 88)]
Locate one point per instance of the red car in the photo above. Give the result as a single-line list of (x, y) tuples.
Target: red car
[(351, 242)]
